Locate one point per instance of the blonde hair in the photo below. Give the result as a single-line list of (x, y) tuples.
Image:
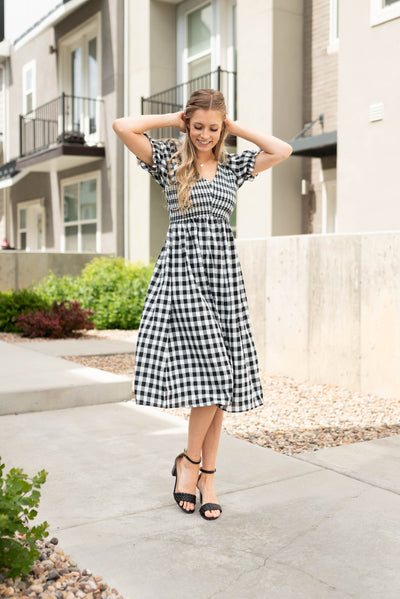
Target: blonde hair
[(186, 173)]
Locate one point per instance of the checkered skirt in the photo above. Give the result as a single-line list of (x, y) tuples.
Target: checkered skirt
[(195, 346)]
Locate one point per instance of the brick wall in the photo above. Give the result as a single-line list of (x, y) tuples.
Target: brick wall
[(319, 96)]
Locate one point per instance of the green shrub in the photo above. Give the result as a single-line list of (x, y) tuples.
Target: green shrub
[(13, 303), (19, 498), (114, 289)]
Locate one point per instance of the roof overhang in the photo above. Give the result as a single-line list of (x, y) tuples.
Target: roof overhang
[(4, 50), (315, 146), (56, 15), (10, 181), (60, 158)]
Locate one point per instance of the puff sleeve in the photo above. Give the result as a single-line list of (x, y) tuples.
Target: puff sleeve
[(242, 165), (162, 152)]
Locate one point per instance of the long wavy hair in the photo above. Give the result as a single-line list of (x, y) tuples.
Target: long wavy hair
[(186, 173)]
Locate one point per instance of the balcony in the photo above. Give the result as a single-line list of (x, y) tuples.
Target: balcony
[(60, 134), (174, 99)]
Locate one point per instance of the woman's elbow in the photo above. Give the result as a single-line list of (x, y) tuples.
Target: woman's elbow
[(118, 125), (286, 151)]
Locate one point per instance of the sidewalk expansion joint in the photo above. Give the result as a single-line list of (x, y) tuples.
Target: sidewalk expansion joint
[(349, 475)]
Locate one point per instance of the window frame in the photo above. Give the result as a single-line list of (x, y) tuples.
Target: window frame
[(184, 9), (379, 13), (29, 66), (80, 179), (80, 38)]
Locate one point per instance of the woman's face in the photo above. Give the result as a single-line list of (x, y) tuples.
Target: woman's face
[(205, 129)]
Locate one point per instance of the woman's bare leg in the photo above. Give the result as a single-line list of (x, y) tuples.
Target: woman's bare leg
[(199, 423), (209, 457)]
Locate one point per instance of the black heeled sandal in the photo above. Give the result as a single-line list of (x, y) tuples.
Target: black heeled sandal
[(183, 496), (208, 506)]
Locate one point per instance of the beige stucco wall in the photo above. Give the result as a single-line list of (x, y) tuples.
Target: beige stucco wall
[(323, 308), (270, 98), (368, 186)]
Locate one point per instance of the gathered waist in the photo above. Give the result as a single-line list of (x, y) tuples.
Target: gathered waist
[(196, 215)]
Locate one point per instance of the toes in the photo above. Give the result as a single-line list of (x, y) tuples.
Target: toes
[(212, 513)]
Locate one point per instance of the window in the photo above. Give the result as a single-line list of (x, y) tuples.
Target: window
[(80, 78), (81, 213), (384, 10), (29, 87), (198, 42)]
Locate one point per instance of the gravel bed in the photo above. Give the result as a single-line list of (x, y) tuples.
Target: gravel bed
[(56, 576), (297, 416)]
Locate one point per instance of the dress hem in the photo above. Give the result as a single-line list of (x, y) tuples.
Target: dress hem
[(257, 403)]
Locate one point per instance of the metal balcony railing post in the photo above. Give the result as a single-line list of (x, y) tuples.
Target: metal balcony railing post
[(21, 123), (63, 116), (219, 79)]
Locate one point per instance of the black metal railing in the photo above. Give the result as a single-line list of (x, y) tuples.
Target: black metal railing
[(66, 118), (175, 98)]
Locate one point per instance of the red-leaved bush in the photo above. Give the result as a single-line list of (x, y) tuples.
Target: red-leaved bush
[(62, 320)]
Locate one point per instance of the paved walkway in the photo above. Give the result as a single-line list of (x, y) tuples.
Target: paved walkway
[(33, 379), (321, 525)]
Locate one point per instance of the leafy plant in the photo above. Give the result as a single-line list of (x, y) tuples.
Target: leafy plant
[(13, 303), (61, 321), (19, 500), (113, 288)]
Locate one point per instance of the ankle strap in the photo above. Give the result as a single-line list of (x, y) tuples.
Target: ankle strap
[(190, 459), (208, 471)]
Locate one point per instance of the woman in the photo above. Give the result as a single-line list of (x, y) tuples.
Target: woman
[(195, 346)]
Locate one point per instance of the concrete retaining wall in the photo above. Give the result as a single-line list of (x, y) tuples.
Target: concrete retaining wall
[(20, 269), (327, 308)]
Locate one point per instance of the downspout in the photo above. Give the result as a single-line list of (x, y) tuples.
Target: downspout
[(126, 112)]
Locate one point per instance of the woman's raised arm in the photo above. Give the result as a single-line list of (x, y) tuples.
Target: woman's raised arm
[(130, 130), (273, 149)]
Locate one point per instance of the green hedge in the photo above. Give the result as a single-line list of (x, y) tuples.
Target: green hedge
[(14, 303), (114, 289)]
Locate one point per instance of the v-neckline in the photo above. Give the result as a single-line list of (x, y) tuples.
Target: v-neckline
[(211, 180)]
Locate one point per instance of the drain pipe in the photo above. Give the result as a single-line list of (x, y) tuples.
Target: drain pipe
[(126, 112)]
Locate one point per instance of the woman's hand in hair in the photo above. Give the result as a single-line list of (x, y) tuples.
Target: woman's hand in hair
[(229, 125), (180, 121)]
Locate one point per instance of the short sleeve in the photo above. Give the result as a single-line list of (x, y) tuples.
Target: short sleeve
[(242, 165), (162, 152)]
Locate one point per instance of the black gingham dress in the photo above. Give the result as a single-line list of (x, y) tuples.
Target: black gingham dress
[(195, 346)]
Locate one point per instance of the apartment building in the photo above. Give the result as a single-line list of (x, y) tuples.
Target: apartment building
[(61, 89), (312, 73)]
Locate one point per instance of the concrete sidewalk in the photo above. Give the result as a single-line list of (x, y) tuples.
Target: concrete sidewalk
[(31, 381), (323, 525)]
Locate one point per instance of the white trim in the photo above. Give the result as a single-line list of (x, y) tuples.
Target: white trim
[(50, 21), (333, 21), (29, 66), (80, 179), (381, 13)]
